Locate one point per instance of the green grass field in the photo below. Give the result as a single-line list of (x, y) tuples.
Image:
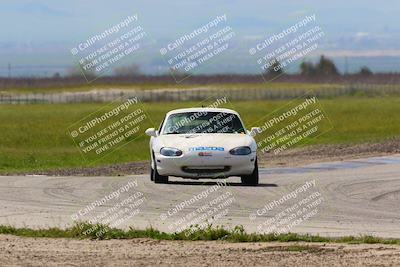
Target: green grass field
[(236, 234), (34, 137)]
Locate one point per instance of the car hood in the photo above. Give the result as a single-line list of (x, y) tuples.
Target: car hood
[(186, 141)]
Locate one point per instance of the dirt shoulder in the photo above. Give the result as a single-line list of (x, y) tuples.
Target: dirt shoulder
[(324, 153), (17, 251), (289, 158)]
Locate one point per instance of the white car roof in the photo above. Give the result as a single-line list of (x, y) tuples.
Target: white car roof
[(182, 110)]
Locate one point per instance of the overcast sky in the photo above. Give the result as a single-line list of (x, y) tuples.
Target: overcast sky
[(49, 20), (33, 29)]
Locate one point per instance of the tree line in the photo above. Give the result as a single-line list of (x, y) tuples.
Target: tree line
[(323, 67)]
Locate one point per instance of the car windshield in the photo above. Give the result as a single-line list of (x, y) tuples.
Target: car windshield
[(203, 122)]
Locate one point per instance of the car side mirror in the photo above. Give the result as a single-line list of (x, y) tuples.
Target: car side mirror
[(255, 130), (151, 132)]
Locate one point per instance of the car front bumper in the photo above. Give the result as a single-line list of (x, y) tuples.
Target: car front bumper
[(219, 165)]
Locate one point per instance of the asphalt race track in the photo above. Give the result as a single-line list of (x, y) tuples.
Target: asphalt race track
[(355, 197)]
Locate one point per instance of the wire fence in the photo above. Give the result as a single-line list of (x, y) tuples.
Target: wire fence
[(197, 94)]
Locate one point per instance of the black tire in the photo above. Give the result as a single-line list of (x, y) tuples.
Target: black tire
[(151, 167), (151, 174), (158, 179), (251, 179)]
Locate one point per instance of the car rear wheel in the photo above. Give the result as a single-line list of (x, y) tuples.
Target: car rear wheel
[(251, 179)]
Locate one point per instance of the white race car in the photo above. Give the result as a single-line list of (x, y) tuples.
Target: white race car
[(203, 143)]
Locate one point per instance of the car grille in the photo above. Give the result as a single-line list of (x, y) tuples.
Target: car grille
[(206, 169)]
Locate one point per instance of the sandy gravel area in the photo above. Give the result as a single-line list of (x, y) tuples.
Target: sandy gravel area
[(19, 251)]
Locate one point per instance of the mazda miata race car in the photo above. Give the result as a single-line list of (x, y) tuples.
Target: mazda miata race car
[(200, 143)]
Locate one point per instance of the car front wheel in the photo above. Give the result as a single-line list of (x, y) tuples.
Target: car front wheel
[(251, 179), (151, 173), (157, 178)]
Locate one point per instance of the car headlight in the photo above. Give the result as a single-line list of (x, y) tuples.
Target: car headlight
[(241, 150), (170, 152)]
